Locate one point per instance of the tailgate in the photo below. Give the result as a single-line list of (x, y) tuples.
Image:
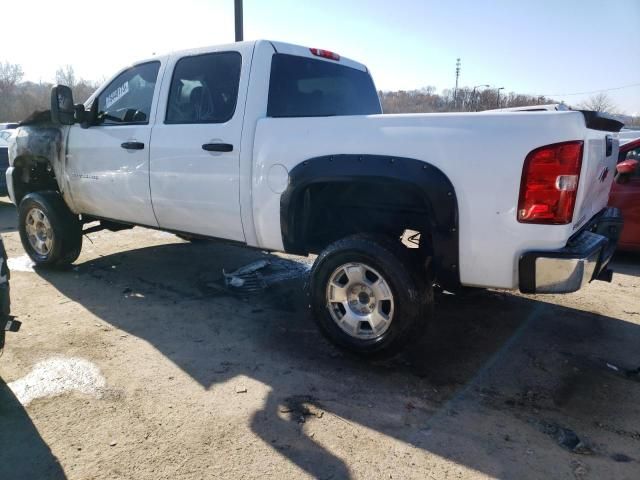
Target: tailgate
[(598, 169)]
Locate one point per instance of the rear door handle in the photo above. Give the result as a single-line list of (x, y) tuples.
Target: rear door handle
[(132, 145), (218, 147)]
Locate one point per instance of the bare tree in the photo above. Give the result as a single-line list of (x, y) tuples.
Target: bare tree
[(427, 100), (599, 103), (66, 76), (10, 75)]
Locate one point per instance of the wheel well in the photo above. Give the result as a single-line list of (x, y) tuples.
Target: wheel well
[(333, 196), (333, 210), (32, 174)]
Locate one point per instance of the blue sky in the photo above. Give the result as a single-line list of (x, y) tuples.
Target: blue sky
[(537, 47)]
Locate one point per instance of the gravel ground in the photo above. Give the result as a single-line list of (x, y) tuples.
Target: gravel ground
[(138, 363)]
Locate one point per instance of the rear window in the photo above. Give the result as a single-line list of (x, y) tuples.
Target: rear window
[(305, 87)]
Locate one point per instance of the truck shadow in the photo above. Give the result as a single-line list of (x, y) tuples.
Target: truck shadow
[(23, 453), (531, 365)]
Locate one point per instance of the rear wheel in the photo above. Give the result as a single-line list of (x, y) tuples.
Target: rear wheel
[(367, 297), (50, 233)]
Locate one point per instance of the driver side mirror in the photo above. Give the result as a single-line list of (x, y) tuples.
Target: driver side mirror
[(86, 118), (62, 109), (625, 170)]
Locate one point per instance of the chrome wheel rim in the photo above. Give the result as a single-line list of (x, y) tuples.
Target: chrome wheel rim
[(39, 231), (360, 301)]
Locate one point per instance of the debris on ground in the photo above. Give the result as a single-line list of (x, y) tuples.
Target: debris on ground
[(241, 389), (565, 437), (246, 277), (300, 407), (613, 367), (632, 373), (260, 274)]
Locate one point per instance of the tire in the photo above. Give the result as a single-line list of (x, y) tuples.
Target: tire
[(387, 302), (51, 234)]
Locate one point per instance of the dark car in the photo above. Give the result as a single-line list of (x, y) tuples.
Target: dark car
[(7, 323), (626, 196)]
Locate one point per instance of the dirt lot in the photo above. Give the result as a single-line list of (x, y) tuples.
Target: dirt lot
[(170, 375)]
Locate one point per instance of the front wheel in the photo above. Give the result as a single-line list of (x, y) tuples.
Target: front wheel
[(50, 233), (367, 297)]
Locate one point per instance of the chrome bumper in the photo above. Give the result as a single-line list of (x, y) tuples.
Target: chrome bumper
[(585, 258)]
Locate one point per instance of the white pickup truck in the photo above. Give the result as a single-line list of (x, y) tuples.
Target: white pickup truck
[(285, 148)]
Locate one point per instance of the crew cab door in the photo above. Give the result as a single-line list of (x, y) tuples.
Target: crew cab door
[(195, 145), (108, 163)]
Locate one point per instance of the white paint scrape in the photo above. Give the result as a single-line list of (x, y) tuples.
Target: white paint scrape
[(56, 376), (20, 264)]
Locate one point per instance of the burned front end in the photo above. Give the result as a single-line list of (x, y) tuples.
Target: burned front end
[(36, 153)]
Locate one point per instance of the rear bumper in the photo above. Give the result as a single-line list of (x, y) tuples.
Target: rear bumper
[(584, 258)]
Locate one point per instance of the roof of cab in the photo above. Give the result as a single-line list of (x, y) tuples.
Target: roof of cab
[(291, 49), (278, 47)]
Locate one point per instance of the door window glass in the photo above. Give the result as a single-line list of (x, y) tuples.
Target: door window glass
[(127, 99), (204, 88)]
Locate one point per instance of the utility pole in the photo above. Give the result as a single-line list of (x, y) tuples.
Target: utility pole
[(455, 91), (238, 17), (474, 99), (498, 102)]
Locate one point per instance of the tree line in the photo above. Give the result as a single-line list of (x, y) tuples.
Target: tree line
[(19, 98), (465, 99)]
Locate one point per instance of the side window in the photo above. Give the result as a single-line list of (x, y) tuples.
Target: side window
[(128, 97), (204, 88)]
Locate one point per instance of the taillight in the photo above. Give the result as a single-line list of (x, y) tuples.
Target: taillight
[(550, 183), (325, 54)]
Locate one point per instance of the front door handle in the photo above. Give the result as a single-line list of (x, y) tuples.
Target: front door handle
[(218, 147), (132, 145)]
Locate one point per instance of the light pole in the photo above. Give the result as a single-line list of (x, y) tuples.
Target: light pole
[(455, 91), (473, 95), (238, 18), (498, 101)]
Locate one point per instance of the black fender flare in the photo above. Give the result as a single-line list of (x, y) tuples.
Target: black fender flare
[(432, 184)]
